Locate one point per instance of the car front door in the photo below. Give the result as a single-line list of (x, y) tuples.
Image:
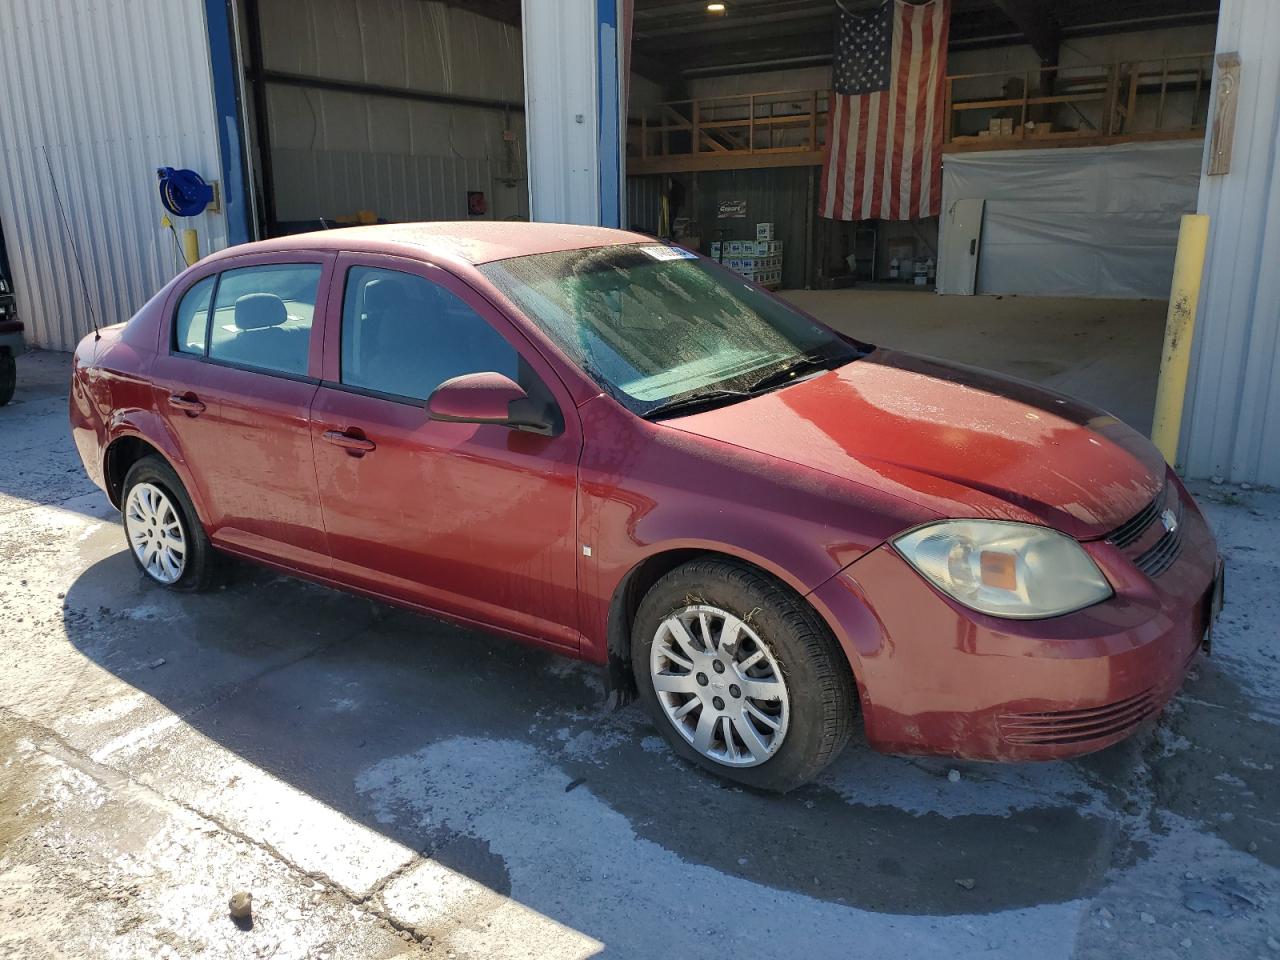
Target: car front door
[(235, 383), (477, 521)]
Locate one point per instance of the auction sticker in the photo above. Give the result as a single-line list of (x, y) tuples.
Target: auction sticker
[(664, 252)]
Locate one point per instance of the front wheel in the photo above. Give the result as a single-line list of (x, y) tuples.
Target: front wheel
[(741, 675)]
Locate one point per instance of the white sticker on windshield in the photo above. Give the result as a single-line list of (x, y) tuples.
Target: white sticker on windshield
[(664, 252)]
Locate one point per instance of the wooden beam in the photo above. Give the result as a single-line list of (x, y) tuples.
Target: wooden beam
[(1038, 25), (734, 160), (1060, 139)]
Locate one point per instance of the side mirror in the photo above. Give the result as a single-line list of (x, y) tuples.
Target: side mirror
[(486, 398)]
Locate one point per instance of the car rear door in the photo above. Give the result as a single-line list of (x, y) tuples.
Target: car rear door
[(235, 386), (475, 521)]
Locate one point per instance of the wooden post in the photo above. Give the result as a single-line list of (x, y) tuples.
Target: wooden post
[(1026, 93), (1131, 106), (813, 119), (1164, 88), (644, 134), (696, 112), (751, 124), (1224, 114), (950, 130), (1113, 90)]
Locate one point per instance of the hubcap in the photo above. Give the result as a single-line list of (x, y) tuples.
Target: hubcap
[(720, 686), (155, 533)]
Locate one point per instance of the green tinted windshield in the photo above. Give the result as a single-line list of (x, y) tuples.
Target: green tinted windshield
[(650, 322)]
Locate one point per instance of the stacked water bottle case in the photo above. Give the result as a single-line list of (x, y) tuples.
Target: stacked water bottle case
[(759, 260)]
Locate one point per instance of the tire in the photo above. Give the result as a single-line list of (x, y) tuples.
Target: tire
[(157, 486), (813, 711), (8, 376)]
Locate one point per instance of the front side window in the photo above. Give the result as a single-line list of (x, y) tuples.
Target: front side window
[(191, 322), (262, 316), (404, 335), (655, 326)]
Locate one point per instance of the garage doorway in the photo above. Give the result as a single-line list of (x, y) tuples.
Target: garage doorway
[(372, 111), (729, 121)]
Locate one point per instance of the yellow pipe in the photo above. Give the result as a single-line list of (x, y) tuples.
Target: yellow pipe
[(190, 246), (1179, 329)]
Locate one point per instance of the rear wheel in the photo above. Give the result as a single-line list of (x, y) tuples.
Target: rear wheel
[(163, 532), (741, 675), (8, 376)]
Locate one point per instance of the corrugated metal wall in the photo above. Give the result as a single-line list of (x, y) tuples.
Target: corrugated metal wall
[(644, 203), (1232, 422), (104, 93), (335, 153)]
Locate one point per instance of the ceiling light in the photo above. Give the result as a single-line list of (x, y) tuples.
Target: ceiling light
[(715, 8)]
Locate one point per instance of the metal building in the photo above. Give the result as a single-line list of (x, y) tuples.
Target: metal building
[(97, 96), (1231, 426)]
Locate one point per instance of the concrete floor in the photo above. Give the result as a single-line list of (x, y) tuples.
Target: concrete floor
[(385, 784), (1104, 351)]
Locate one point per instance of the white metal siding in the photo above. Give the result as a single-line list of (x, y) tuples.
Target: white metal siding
[(335, 153), (1232, 422), (562, 104), (108, 91)]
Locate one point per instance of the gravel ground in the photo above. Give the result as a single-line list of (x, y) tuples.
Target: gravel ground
[(385, 784)]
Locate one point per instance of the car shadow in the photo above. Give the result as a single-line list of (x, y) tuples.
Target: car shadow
[(324, 690)]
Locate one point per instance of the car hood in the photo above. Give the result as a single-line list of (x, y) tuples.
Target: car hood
[(956, 440)]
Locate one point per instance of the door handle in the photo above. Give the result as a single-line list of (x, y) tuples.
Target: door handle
[(348, 442), (188, 403), (973, 247)]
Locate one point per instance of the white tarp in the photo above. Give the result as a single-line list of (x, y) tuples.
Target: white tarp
[(1077, 221)]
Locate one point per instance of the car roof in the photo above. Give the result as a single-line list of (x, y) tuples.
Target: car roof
[(475, 241)]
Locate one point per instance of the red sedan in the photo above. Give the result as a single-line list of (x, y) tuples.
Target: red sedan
[(611, 447)]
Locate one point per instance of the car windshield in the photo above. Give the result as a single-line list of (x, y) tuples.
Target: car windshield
[(655, 325)]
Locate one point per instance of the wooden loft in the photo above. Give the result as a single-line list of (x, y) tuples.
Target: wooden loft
[(1093, 105), (746, 132), (1087, 105)]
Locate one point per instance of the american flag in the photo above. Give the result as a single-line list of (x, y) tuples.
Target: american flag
[(885, 122)]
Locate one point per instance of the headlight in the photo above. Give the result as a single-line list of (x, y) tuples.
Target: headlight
[(1005, 569)]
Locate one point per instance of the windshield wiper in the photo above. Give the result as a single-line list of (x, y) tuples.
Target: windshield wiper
[(790, 370), (708, 398)]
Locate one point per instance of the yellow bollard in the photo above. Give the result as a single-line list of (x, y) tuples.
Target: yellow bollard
[(191, 246), (1179, 329)]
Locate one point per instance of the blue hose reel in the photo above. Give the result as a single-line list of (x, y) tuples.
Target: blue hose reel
[(184, 193)]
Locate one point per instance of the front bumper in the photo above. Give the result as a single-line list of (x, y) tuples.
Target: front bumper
[(936, 677)]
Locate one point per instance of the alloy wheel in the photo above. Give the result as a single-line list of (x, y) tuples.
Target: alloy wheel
[(155, 532), (719, 685)]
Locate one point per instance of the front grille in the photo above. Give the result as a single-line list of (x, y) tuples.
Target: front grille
[(1077, 726), (1132, 530), (1160, 555)]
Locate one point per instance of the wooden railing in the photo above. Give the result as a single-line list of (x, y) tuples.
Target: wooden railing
[(1154, 99), (783, 128), (1101, 103)]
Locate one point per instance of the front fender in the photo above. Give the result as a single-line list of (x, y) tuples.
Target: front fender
[(648, 491)]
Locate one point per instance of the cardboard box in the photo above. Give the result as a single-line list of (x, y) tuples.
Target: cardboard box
[(764, 231), (1006, 127)]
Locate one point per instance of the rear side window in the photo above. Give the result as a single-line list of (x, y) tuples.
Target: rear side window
[(191, 322), (262, 316), (404, 335)]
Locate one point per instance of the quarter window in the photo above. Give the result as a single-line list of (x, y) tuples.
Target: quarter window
[(262, 316), (404, 335), (191, 322)]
